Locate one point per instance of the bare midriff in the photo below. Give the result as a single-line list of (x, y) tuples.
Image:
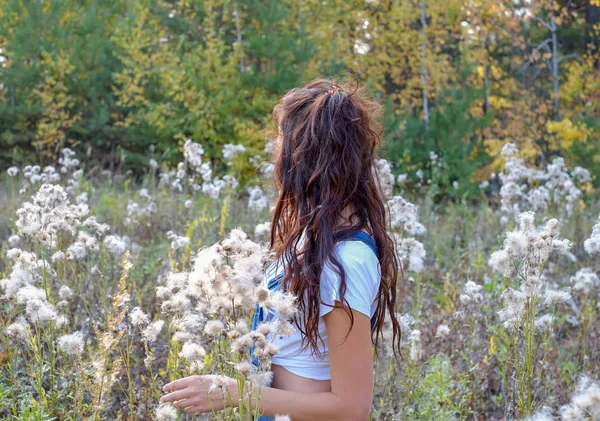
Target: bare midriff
[(286, 380)]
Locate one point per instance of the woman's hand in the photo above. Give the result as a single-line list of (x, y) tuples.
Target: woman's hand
[(200, 394)]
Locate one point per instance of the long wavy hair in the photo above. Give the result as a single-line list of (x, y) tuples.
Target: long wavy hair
[(323, 162)]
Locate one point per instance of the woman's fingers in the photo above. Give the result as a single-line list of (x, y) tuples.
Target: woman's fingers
[(184, 403), (195, 410), (179, 384), (175, 396)]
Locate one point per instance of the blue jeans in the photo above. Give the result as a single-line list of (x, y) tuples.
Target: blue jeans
[(263, 418)]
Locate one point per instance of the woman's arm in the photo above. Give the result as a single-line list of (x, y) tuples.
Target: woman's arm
[(351, 395)]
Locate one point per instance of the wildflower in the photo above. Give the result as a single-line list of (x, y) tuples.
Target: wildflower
[(192, 153), (245, 367), (177, 303), (29, 292), (115, 245), (401, 178), (516, 243), (263, 229), (404, 215), (266, 328), (529, 246), (76, 251), (257, 200), (587, 395), (177, 242), (415, 345), (412, 253), (192, 351), (285, 328), (60, 321), (509, 149), (48, 214), (514, 307), (18, 277), (150, 333), (97, 228), (39, 310), (271, 349), (241, 343), (442, 330), (554, 297), (406, 321), (88, 240), (65, 292), (182, 337), (214, 327), (262, 295), (12, 171), (285, 305), (138, 317), (59, 256), (71, 344), (571, 413), (166, 412), (261, 379), (196, 366), (419, 174), (585, 280), (153, 164), (17, 330), (188, 203), (279, 417), (500, 261), (472, 288), (543, 415), (544, 322), (230, 150), (14, 240), (383, 173), (592, 244), (67, 161), (212, 189), (13, 253)]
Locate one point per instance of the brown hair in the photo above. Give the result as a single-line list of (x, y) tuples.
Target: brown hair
[(323, 162)]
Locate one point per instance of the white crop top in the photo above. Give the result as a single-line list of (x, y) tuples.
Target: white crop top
[(363, 276)]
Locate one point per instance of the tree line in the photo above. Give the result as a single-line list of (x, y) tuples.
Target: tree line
[(125, 81)]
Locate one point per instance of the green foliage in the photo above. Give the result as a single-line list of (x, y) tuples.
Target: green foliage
[(115, 78), (454, 134)]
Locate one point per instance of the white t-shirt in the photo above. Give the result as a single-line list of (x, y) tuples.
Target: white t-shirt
[(363, 276)]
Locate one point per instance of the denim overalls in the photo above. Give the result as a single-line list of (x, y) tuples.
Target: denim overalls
[(275, 281)]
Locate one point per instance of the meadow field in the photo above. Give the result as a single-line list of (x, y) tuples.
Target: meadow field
[(112, 285)]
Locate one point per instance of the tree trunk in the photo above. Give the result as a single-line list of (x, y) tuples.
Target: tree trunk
[(424, 74), (553, 29), (239, 34)]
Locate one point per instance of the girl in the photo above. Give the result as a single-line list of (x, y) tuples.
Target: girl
[(329, 227)]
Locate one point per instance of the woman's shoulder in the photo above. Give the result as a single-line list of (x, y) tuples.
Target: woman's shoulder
[(363, 276), (358, 260), (356, 252)]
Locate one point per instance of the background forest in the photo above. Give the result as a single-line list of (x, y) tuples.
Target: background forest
[(457, 77)]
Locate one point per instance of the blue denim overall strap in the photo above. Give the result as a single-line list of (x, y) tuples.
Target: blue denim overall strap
[(275, 283)]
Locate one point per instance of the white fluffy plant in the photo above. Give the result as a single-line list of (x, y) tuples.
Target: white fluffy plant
[(538, 189), (404, 220), (56, 250), (529, 303), (210, 310)]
